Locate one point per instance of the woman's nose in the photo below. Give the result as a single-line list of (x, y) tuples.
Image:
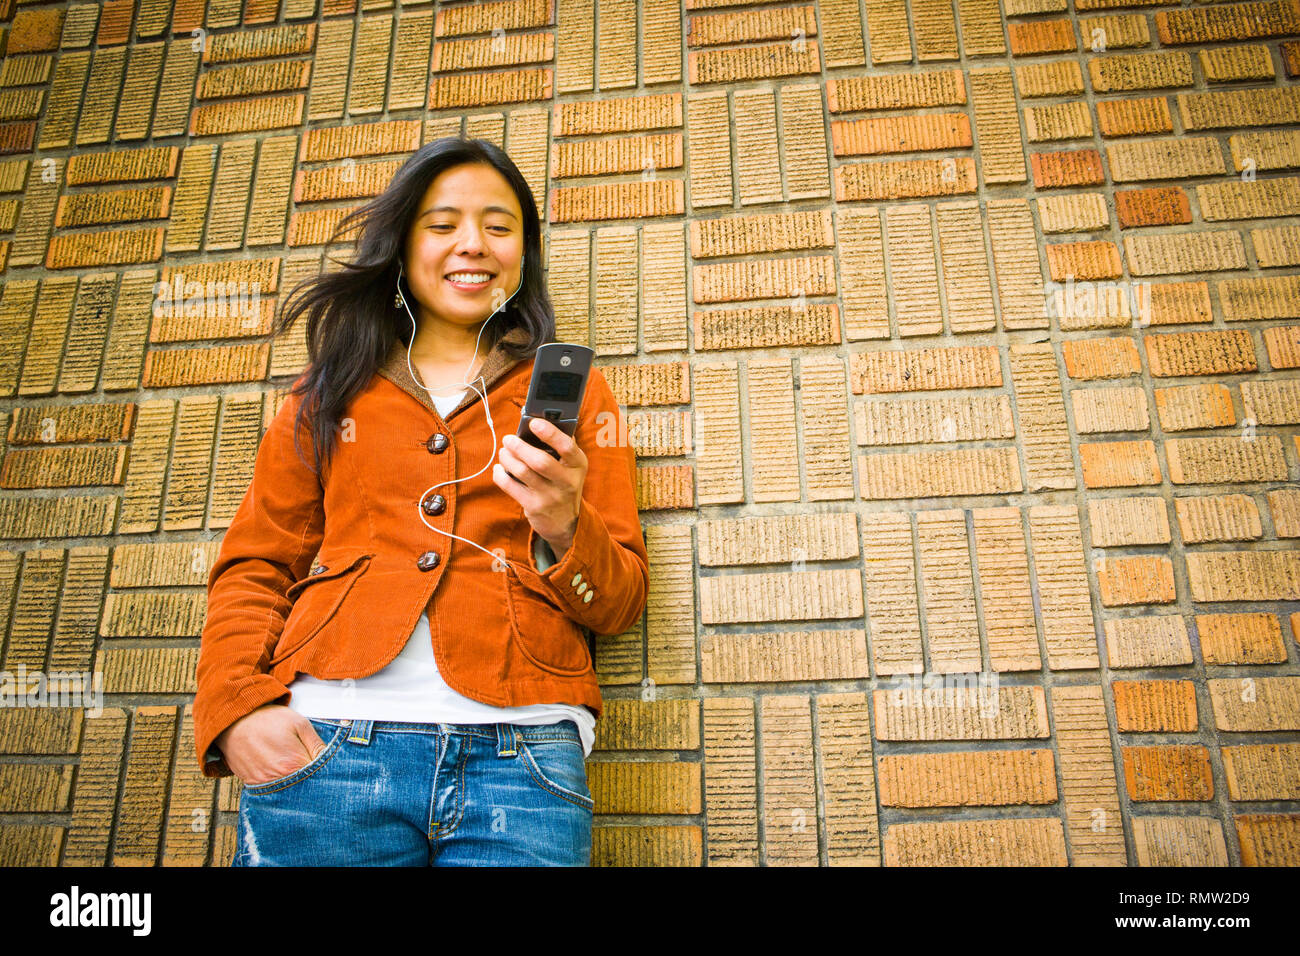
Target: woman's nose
[(469, 240)]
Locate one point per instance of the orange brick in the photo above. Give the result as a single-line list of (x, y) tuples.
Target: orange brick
[(1154, 706), (901, 134), (1041, 36), (1084, 261), (1119, 464), (1168, 773), (1159, 206), (1269, 839), (1114, 357), (1291, 58), (1081, 167), (34, 31), (1136, 579), (1253, 637)]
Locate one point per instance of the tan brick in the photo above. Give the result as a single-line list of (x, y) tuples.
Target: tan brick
[(1262, 771), (1237, 21), (1283, 345), (1140, 71), (896, 91), (1184, 252), (1055, 78), (1134, 117), (1081, 212), (1240, 108), (1158, 640), (1260, 199), (1277, 246), (1221, 460), (904, 179), (972, 778), (1205, 518), (1208, 405), (1213, 352), (1179, 841), (1272, 706), (1265, 149), (1114, 32), (1012, 842), (1119, 522), (1253, 299), (1236, 64), (1002, 154), (1109, 410), (1058, 121), (1165, 158)]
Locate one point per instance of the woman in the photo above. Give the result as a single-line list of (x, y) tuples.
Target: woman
[(424, 693)]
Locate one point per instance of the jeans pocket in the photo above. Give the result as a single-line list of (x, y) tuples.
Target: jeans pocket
[(559, 767), (332, 745)]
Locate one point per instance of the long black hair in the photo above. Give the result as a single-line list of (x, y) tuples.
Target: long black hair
[(351, 319)]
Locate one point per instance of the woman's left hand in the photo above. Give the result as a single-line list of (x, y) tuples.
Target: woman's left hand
[(551, 489)]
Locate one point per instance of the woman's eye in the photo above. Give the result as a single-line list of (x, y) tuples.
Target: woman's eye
[(446, 225)]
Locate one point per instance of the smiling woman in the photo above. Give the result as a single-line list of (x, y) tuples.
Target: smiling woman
[(436, 642)]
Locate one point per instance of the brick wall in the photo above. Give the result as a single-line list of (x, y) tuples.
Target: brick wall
[(955, 337)]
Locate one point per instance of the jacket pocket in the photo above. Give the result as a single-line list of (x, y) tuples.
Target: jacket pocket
[(316, 599), (545, 634)]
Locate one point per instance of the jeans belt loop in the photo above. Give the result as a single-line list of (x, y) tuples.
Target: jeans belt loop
[(506, 741), (361, 732)]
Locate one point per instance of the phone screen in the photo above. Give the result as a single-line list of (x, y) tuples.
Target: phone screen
[(558, 386)]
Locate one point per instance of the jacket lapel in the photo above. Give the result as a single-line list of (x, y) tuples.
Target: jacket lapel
[(495, 365)]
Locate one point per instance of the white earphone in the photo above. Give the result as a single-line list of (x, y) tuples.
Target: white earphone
[(482, 393)]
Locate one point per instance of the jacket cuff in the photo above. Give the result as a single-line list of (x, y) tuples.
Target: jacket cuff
[(591, 579), (234, 703)]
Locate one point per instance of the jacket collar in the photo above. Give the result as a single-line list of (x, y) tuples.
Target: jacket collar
[(495, 365)]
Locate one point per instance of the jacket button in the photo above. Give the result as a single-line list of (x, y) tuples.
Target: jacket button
[(582, 587), (588, 596), (428, 561), (318, 569), (437, 443), (435, 505), (576, 578)]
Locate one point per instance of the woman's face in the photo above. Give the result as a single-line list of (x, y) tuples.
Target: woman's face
[(469, 225)]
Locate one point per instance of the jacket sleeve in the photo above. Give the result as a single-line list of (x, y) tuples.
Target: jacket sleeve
[(272, 539), (604, 578)]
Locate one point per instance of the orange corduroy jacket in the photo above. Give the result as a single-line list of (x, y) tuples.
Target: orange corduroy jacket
[(327, 575)]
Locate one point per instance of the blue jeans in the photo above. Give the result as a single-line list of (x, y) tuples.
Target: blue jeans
[(393, 793)]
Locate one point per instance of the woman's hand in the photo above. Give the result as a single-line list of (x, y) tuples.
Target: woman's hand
[(271, 742), (551, 489)]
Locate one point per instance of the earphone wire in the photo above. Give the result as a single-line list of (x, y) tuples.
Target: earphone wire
[(482, 393)]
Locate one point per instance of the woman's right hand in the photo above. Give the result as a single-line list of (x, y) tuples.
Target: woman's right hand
[(271, 742)]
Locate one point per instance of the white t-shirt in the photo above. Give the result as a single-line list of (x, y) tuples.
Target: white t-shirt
[(410, 688)]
